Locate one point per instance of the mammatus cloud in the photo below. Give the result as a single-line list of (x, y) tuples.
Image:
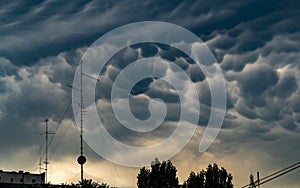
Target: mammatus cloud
[(257, 46)]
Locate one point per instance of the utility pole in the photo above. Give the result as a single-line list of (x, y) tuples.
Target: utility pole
[(271, 177), (252, 183)]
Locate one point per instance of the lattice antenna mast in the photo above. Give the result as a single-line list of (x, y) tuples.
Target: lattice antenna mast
[(46, 150), (81, 159)]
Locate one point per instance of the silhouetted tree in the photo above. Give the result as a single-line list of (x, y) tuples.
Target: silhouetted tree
[(213, 177), (196, 180), (143, 178), (89, 183), (161, 175)]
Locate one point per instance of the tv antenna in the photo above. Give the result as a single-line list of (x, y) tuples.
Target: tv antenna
[(46, 150), (81, 158)]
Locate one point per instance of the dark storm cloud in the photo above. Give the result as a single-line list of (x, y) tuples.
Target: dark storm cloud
[(124, 57), (238, 62), (138, 51), (256, 43), (29, 97), (243, 29), (264, 94), (155, 87), (295, 102), (286, 86), (255, 81), (253, 53), (141, 86), (39, 29), (52, 27), (138, 107), (162, 89), (7, 69)]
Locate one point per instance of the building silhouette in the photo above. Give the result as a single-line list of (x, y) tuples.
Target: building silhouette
[(12, 179)]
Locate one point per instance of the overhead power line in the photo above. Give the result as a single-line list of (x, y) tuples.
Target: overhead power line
[(40, 154), (280, 174), (60, 121), (276, 174), (291, 166)]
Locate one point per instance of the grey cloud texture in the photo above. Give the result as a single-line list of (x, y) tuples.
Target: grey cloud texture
[(256, 43)]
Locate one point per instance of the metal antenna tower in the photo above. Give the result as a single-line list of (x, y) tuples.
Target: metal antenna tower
[(46, 150), (81, 159)]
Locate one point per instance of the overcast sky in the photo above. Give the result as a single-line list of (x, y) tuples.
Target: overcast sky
[(256, 43)]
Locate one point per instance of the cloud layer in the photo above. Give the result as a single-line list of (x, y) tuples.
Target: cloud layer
[(256, 43)]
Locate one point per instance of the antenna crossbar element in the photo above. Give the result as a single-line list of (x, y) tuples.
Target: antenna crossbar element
[(97, 79)]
